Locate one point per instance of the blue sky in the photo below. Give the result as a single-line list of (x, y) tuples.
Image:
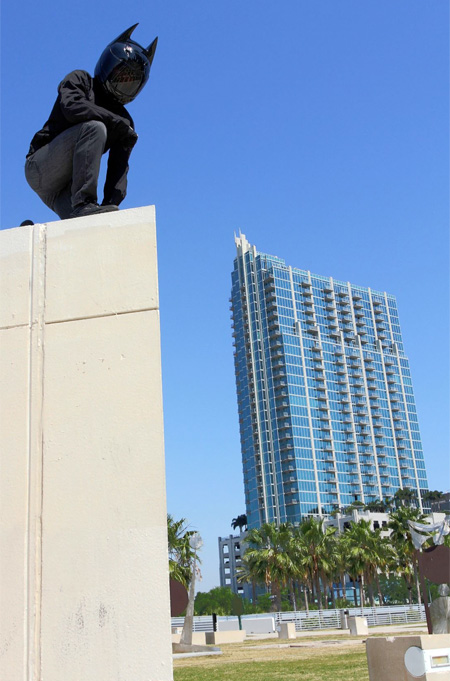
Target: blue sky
[(318, 128)]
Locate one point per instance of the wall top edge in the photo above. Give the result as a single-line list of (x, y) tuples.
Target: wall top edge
[(134, 216)]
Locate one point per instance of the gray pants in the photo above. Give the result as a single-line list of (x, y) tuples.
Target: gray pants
[(64, 173)]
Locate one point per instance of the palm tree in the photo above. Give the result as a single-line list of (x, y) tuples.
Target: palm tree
[(329, 563), (355, 560), (377, 506), (299, 556), (367, 553), (432, 495), (268, 558), (406, 497), (315, 547), (401, 540), (385, 558), (180, 552), (389, 503), (240, 521), (341, 564)]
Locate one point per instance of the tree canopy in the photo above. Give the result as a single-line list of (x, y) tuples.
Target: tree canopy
[(180, 552), (239, 522), (311, 560)]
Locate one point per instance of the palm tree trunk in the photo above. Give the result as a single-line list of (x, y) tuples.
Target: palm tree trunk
[(362, 596), (333, 596), (380, 595), (409, 587), (319, 593), (292, 595), (305, 594), (325, 591), (276, 591), (355, 597), (416, 576)]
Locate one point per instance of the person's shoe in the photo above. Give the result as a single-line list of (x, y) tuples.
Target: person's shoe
[(91, 209)]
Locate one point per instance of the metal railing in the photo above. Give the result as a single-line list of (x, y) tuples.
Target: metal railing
[(323, 619)]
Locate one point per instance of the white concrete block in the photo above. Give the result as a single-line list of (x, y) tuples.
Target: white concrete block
[(112, 271), (387, 658), (84, 572), (229, 624), (227, 636), (286, 630), (358, 626), (14, 434), (198, 638), (15, 276), (259, 625)]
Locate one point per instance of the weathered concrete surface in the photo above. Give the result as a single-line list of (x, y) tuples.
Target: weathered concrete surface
[(219, 637), (287, 630), (386, 657), (198, 638), (358, 626), (84, 572)]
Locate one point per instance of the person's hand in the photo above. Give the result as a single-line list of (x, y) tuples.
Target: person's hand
[(125, 134), (130, 138)]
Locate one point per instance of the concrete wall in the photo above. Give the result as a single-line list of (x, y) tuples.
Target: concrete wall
[(84, 576)]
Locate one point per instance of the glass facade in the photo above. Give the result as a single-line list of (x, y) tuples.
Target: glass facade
[(326, 405)]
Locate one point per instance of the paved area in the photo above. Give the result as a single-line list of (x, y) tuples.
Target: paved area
[(388, 629), (323, 638)]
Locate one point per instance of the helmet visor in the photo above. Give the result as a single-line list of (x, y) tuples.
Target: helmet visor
[(126, 79)]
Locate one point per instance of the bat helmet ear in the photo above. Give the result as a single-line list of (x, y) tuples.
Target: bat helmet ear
[(126, 35), (150, 50)]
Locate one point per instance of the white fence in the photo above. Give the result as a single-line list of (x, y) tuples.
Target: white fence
[(324, 619)]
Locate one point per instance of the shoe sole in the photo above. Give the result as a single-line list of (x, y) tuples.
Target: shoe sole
[(101, 209)]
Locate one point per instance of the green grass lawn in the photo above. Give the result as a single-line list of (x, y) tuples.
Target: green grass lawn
[(244, 663)]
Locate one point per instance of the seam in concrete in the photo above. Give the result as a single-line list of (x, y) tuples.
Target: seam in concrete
[(27, 552), (15, 326), (41, 327), (100, 316), (78, 319), (35, 463)]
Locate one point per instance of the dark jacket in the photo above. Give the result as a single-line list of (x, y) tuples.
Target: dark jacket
[(81, 99)]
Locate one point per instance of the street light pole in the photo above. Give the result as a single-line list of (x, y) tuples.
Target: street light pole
[(195, 543)]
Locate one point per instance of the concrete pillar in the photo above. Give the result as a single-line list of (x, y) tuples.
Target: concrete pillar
[(84, 573), (286, 630), (358, 626)]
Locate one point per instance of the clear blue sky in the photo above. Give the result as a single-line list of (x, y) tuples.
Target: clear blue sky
[(317, 127)]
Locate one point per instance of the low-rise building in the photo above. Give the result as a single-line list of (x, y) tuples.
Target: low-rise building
[(231, 550), (342, 521), (442, 505)]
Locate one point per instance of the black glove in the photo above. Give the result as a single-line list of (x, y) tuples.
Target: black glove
[(130, 139), (124, 133)]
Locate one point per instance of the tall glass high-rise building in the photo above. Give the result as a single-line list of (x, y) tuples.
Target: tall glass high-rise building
[(326, 405)]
